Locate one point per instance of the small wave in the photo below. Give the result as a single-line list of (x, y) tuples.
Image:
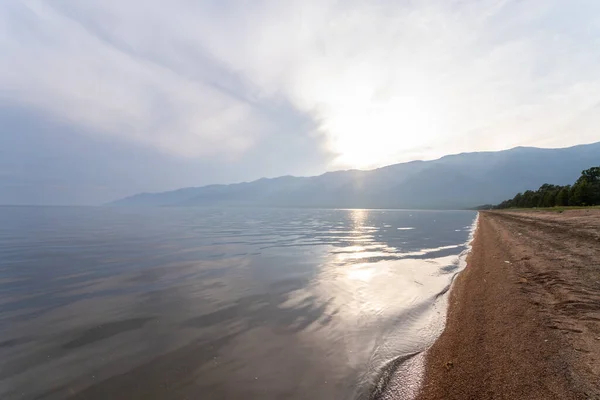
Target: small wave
[(378, 392), (408, 228), (405, 372), (423, 252)]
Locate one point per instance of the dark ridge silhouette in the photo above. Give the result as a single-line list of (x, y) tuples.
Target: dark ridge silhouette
[(452, 182)]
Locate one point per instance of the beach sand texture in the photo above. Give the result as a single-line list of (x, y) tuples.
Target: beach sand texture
[(524, 316)]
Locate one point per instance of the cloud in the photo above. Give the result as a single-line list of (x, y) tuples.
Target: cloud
[(48, 161), (68, 61), (368, 82)]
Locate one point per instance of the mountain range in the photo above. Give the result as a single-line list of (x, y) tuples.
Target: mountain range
[(452, 182)]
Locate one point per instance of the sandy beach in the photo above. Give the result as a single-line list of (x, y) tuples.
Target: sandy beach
[(524, 316)]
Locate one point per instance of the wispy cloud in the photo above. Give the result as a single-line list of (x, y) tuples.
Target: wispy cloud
[(374, 81)]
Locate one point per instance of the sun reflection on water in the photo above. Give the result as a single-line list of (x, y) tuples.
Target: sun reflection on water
[(383, 298)]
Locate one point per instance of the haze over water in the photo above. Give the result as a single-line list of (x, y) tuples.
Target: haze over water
[(219, 303)]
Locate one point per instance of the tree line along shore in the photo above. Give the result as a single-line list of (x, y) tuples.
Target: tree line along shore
[(584, 192)]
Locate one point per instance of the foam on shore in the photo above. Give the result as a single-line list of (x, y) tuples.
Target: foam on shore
[(402, 377)]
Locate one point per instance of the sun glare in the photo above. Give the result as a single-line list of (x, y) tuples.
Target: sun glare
[(376, 134)]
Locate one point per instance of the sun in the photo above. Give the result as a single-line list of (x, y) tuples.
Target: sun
[(376, 134)]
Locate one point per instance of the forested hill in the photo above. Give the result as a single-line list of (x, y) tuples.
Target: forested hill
[(451, 182), (584, 192)]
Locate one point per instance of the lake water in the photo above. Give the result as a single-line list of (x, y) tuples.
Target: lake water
[(185, 303)]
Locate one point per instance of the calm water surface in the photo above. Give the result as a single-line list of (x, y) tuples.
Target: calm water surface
[(168, 303)]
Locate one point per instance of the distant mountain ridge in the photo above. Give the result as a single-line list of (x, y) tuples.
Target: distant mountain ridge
[(451, 182)]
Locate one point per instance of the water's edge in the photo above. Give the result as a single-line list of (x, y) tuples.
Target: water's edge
[(402, 377)]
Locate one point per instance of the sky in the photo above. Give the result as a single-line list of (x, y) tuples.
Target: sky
[(101, 99)]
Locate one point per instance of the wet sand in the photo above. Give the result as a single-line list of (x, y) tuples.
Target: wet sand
[(524, 316)]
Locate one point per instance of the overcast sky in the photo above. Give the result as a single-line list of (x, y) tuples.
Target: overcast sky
[(101, 99)]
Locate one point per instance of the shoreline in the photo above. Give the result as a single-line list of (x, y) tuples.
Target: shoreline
[(402, 377), (523, 319)]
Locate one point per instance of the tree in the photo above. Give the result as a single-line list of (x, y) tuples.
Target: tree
[(518, 200), (562, 198), (528, 200), (585, 192), (581, 194), (549, 199), (591, 175), (592, 191)]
